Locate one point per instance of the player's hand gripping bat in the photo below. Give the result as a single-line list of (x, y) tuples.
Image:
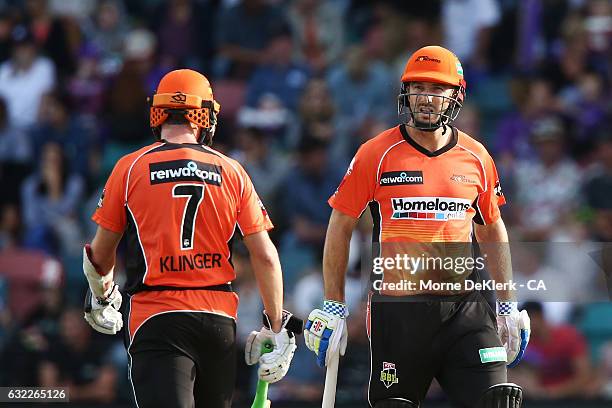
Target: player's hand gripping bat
[(295, 326)]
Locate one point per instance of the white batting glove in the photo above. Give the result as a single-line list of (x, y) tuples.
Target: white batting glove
[(514, 329), (100, 285), (103, 314), (325, 331), (273, 365)]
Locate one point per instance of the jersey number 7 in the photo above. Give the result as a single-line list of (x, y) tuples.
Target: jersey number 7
[(195, 192)]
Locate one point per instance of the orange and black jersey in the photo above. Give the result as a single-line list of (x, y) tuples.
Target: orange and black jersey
[(178, 206), (421, 196), (422, 203)]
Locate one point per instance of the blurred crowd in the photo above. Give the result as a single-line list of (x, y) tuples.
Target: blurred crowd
[(302, 83)]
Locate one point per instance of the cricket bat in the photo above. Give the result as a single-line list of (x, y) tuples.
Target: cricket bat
[(261, 400), (331, 375), (261, 395)]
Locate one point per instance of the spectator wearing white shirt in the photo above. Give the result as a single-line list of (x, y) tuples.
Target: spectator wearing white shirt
[(547, 187), (466, 25), (24, 78)]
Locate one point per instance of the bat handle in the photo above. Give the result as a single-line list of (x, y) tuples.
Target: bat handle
[(331, 376), (261, 394)]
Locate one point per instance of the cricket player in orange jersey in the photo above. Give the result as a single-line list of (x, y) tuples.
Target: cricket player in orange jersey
[(428, 186), (178, 203)]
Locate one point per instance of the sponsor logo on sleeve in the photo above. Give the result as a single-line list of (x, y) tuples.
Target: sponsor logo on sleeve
[(429, 208), (264, 212), (101, 200), (498, 190), (401, 177), (185, 170)]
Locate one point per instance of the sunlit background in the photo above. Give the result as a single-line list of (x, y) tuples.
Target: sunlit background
[(302, 84)]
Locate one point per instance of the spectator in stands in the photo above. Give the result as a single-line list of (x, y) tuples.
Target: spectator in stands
[(106, 31), (467, 28), (585, 103), (127, 117), (50, 200), (265, 166), (556, 363), (318, 32), (243, 32), (362, 88), (606, 370), (56, 125), (598, 191), (181, 26), (25, 78), (316, 115), (86, 88), (15, 144), (77, 360), (547, 186), (598, 27), (304, 202), (57, 37), (6, 27), (534, 100), (35, 303), (10, 226), (279, 75), (469, 121)]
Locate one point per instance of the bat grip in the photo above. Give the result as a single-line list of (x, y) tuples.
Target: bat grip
[(261, 393)]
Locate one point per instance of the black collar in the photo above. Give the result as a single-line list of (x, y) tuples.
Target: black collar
[(452, 142)]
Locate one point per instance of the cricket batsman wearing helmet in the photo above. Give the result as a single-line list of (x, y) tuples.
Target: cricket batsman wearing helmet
[(425, 182), (178, 203)]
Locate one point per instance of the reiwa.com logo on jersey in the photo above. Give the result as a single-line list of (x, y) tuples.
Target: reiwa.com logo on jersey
[(429, 208), (185, 170), (402, 177)]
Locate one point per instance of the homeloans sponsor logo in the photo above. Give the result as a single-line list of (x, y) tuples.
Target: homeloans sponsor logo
[(402, 177), (185, 170), (429, 208)]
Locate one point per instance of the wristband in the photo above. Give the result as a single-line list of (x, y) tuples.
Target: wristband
[(336, 308), (505, 308)]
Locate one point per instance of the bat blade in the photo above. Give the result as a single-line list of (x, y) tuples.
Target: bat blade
[(331, 377)]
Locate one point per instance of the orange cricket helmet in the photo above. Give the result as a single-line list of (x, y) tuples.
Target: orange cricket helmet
[(438, 65), (184, 94)]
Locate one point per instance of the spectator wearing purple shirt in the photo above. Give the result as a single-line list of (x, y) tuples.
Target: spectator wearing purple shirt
[(534, 99)]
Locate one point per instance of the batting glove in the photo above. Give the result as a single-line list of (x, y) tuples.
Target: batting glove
[(514, 329), (273, 365), (100, 285), (325, 332), (103, 314)]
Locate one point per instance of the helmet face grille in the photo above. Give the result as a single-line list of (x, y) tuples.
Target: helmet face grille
[(157, 116), (199, 117), (407, 113)]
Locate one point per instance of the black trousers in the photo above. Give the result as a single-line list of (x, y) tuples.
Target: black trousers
[(184, 360), (451, 338)]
